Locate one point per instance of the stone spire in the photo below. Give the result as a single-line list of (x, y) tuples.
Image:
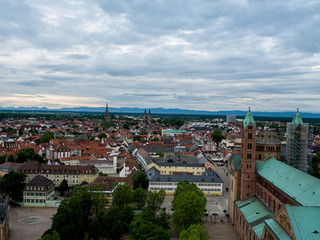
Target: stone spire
[(149, 117), (106, 113)]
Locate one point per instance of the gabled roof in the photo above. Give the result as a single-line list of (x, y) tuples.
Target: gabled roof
[(249, 119), (277, 230), (297, 120), (300, 186), (255, 212), (40, 181), (305, 222)]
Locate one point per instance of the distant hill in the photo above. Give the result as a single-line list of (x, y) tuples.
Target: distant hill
[(165, 111)]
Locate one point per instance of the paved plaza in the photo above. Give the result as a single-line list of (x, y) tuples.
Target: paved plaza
[(29, 223)]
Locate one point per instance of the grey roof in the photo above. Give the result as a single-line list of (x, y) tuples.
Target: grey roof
[(179, 158), (40, 181), (179, 164), (151, 150), (155, 176)]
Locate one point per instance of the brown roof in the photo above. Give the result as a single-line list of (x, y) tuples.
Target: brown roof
[(143, 152), (40, 181), (108, 182)]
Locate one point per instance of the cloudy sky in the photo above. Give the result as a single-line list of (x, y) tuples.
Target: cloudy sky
[(191, 54)]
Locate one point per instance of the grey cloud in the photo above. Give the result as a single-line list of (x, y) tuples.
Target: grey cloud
[(173, 53)]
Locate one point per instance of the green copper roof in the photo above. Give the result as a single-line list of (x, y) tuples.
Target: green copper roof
[(277, 230), (298, 185), (255, 212), (297, 120), (236, 161), (249, 119), (305, 222)]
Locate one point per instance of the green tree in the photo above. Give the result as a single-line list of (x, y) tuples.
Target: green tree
[(217, 136), (86, 204), (63, 187), (99, 200), (143, 132), (46, 137), (186, 186), (53, 235), (154, 201), (68, 219), (140, 180), (126, 125), (160, 153), (25, 154), (111, 223), (12, 184), (10, 158), (189, 204), (122, 195), (102, 135), (140, 197), (194, 232), (141, 229), (137, 138), (3, 159)]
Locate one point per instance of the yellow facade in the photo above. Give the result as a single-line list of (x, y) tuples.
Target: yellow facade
[(169, 170)]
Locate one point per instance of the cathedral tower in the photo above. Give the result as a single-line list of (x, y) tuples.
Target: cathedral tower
[(149, 118), (248, 157), (106, 113)]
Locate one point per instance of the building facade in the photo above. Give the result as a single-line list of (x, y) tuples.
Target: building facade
[(261, 201), (74, 175), (37, 192), (268, 146)]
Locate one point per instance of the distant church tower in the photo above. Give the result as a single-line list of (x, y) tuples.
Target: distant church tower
[(248, 157), (145, 117), (106, 113), (149, 118)]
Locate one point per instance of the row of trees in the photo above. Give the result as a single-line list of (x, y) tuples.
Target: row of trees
[(24, 155), (86, 213)]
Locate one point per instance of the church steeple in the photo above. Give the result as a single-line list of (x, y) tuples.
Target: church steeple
[(149, 118), (248, 158), (106, 113), (297, 120), (249, 119)]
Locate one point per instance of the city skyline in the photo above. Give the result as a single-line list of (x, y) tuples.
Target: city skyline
[(199, 55)]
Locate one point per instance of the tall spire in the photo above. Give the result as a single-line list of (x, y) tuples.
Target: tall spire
[(106, 113), (297, 120), (249, 119)]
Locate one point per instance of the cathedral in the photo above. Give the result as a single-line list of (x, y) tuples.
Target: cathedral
[(147, 118), (269, 199)]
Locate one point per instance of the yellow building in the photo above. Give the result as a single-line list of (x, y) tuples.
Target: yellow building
[(177, 168), (74, 175)]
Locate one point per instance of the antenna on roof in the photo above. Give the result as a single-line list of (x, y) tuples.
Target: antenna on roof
[(297, 109)]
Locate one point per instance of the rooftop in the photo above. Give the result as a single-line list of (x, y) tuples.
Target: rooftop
[(305, 222), (249, 119), (300, 186), (255, 212)]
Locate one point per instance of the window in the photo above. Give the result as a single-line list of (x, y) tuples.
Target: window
[(249, 145), (248, 155), (249, 135)]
